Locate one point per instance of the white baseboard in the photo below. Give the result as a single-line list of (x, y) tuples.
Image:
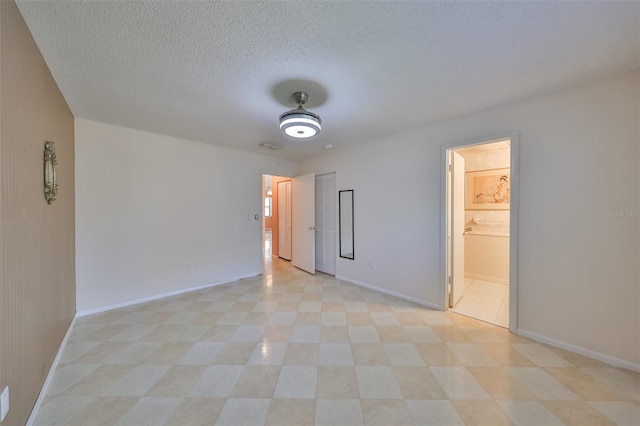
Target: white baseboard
[(392, 293), (616, 362), (486, 278), (157, 296), (47, 380)]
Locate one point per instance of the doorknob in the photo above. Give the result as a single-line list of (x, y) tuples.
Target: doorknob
[(312, 228)]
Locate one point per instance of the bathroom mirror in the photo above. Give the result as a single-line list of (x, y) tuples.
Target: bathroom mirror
[(345, 216)]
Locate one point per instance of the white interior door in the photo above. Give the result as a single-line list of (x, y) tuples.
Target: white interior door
[(326, 214), (303, 224), (284, 220), (457, 228)]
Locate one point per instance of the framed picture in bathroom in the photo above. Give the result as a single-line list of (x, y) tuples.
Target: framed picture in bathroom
[(488, 189)]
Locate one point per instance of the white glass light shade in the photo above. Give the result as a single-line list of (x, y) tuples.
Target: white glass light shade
[(299, 123)]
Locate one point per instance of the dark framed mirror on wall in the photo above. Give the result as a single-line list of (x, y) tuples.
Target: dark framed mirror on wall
[(345, 217)]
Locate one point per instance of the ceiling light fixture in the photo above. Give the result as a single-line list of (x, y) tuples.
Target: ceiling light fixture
[(300, 123)]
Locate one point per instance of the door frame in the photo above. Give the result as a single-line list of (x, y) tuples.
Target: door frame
[(513, 219)]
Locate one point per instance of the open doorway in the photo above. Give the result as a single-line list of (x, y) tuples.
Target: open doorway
[(276, 225), (306, 234), (480, 193)]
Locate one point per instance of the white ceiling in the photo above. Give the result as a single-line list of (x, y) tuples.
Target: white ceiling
[(219, 72)]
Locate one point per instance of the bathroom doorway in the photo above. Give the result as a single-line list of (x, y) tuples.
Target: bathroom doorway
[(479, 188)]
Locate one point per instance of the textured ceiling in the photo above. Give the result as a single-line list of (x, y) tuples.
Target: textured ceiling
[(219, 72)]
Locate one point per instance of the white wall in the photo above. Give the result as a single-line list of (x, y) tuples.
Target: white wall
[(578, 267), (147, 205)]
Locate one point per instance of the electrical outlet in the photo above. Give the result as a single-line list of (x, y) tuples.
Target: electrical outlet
[(4, 403)]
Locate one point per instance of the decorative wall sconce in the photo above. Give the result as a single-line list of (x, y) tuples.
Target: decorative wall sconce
[(50, 181)]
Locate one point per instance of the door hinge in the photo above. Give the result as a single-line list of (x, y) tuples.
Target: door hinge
[(449, 167), (450, 280)]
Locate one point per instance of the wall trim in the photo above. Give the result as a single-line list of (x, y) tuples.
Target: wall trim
[(158, 296), (49, 378), (391, 293), (486, 278), (616, 362)]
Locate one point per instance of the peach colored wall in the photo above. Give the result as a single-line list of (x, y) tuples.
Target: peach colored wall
[(37, 252), (274, 219)]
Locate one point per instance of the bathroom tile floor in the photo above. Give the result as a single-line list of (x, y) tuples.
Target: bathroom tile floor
[(486, 301), (289, 348)]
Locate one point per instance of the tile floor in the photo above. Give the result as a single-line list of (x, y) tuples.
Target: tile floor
[(485, 301), (288, 348)]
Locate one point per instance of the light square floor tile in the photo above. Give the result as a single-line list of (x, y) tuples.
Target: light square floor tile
[(291, 412), (481, 413), (384, 318), (60, 409), (422, 334), (472, 355), (418, 383), (333, 318), (196, 411), (378, 383), (177, 381), (75, 349), (305, 334), (268, 354), (619, 412), (386, 412), (103, 411), (335, 354), (433, 413), (289, 348), (181, 318), (257, 381), (202, 353), (138, 381), (363, 334), (331, 412), (135, 353), (334, 334), (68, 375), (539, 355), (623, 382), (403, 354), (543, 386), (247, 333), (528, 413), (297, 382), (337, 383), (283, 318), (217, 381), (134, 333), (149, 411), (578, 413), (458, 383), (244, 411)]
